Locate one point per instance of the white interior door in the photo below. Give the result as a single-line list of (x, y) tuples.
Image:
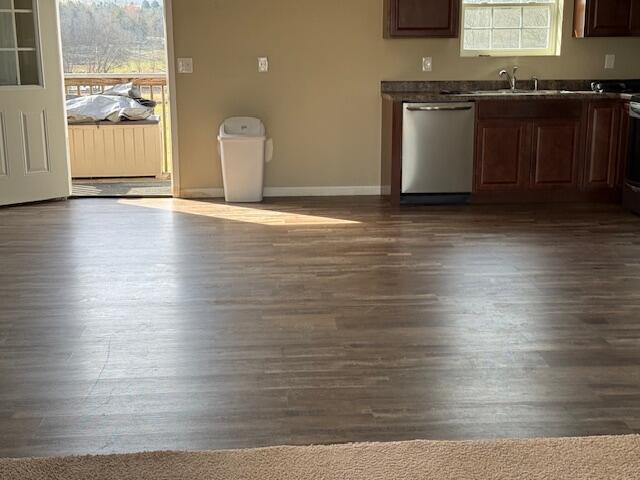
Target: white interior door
[(33, 146)]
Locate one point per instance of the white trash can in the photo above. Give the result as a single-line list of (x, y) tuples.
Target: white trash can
[(244, 149)]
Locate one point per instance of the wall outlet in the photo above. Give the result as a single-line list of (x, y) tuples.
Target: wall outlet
[(427, 64), (263, 64), (185, 65), (609, 61)]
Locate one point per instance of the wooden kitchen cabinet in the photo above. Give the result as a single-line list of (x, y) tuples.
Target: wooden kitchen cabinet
[(606, 18), (555, 153), (603, 143), (527, 146), (635, 17), (502, 155), (531, 150), (623, 144), (422, 18)]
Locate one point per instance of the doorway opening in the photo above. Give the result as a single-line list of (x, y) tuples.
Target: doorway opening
[(118, 99)]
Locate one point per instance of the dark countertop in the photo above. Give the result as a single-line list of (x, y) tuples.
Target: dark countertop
[(541, 95), (462, 91)]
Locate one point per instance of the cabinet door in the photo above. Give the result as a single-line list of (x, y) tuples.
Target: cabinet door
[(623, 145), (635, 17), (503, 151), (602, 147), (556, 150), (422, 18), (608, 17)]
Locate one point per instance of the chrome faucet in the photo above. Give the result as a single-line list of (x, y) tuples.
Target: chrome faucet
[(511, 77), (536, 83)]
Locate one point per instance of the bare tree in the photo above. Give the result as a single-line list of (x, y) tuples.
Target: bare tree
[(102, 36)]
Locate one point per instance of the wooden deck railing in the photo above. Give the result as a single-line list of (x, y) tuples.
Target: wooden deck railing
[(152, 86)]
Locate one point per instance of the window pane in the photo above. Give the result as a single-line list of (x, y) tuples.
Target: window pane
[(29, 68), (8, 74), (477, 18), (7, 39), (535, 38), (536, 17), (5, 4), (507, 17), (506, 39), (26, 30), (24, 4), (477, 39)]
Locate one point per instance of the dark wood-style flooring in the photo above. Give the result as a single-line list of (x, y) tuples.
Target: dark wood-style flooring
[(159, 324)]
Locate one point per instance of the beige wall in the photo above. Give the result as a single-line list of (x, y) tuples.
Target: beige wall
[(321, 99)]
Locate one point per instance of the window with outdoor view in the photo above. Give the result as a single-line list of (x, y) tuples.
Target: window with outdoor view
[(511, 27)]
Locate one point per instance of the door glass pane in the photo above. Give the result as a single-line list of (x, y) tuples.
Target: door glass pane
[(29, 68), (26, 30), (23, 4), (7, 39), (5, 4), (8, 74)]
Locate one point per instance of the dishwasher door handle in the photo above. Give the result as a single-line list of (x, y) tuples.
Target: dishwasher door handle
[(447, 108)]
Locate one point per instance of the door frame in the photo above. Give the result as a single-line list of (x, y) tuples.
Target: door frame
[(173, 102)]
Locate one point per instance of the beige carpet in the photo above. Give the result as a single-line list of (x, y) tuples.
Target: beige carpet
[(553, 459)]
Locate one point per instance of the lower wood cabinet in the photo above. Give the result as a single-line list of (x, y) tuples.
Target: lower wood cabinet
[(603, 143), (623, 144), (538, 150), (552, 148), (527, 154), (502, 155), (555, 154)]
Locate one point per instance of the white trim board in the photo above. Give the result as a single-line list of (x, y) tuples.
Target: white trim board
[(173, 97), (291, 192)]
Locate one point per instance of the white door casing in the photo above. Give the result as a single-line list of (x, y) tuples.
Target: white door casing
[(34, 161)]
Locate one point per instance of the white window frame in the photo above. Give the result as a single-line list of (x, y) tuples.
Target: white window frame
[(555, 28)]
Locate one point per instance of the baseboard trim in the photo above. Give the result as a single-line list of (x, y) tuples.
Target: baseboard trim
[(321, 191), (290, 192)]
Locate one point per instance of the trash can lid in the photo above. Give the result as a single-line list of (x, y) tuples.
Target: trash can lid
[(242, 127)]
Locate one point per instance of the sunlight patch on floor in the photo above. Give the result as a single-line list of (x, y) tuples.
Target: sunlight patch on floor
[(261, 216)]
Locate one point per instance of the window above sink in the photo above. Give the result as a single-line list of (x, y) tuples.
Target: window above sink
[(507, 28)]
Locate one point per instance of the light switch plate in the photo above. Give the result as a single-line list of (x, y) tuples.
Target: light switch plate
[(427, 64), (263, 64), (609, 61), (185, 65)]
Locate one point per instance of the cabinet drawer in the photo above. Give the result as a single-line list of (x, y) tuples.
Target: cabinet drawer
[(530, 109)]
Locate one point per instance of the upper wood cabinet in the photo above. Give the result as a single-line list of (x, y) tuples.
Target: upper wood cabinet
[(422, 18), (606, 18)]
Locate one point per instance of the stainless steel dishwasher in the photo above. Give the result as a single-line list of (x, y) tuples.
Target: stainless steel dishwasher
[(437, 152)]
